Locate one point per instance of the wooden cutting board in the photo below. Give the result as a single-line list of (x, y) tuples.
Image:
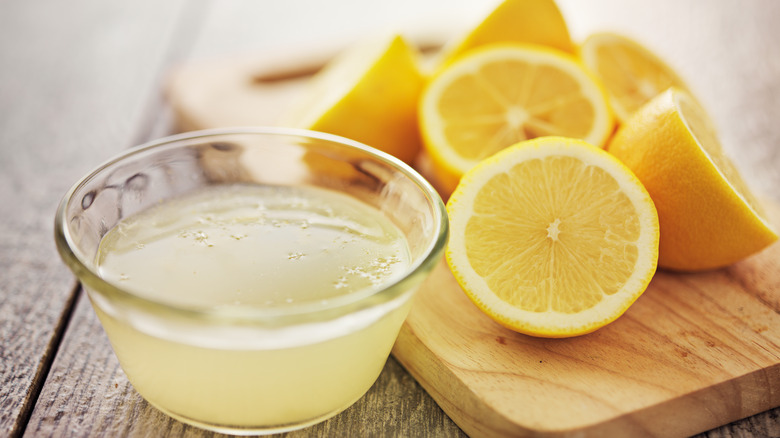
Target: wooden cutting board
[(694, 352)]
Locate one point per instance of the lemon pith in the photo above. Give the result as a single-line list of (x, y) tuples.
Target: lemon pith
[(552, 237)]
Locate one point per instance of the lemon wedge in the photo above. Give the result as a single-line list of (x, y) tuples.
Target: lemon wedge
[(709, 216), (521, 21), (369, 94), (631, 73)]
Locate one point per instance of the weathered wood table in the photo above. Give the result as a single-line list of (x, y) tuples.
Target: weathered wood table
[(81, 80)]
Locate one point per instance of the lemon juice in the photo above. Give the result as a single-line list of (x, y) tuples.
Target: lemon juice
[(238, 250)]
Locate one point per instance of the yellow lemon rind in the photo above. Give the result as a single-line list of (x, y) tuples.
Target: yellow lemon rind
[(522, 21), (368, 94), (706, 222)]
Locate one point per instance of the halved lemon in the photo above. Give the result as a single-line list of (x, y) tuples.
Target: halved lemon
[(631, 73), (709, 216), (498, 95), (552, 237), (369, 94)]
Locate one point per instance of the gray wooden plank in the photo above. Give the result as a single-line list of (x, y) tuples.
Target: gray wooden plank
[(73, 80), (765, 424)]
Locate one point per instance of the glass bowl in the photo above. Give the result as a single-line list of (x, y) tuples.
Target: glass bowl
[(250, 369)]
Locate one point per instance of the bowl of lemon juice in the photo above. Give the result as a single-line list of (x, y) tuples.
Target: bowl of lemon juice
[(251, 280)]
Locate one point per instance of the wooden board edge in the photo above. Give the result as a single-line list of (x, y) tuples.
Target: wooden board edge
[(427, 367)]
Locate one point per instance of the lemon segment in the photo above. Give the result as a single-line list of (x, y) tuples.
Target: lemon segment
[(500, 94), (369, 94), (522, 21), (709, 217), (552, 237), (631, 73)]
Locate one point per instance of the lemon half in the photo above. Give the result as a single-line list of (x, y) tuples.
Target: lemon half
[(552, 237), (498, 95)]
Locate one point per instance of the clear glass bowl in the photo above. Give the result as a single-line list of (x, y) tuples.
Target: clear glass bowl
[(250, 370)]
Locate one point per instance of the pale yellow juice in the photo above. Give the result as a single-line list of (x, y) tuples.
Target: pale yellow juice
[(241, 248)]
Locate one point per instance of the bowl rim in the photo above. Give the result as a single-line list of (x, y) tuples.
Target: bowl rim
[(284, 316)]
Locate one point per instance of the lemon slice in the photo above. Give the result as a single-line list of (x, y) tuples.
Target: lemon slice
[(498, 95), (369, 94), (631, 73), (522, 21), (709, 217), (552, 237)]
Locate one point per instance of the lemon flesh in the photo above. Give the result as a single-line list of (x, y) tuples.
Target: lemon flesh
[(631, 73), (498, 95), (702, 129), (552, 237)]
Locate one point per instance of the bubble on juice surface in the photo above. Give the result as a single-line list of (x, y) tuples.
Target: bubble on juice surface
[(340, 283), (279, 246)]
